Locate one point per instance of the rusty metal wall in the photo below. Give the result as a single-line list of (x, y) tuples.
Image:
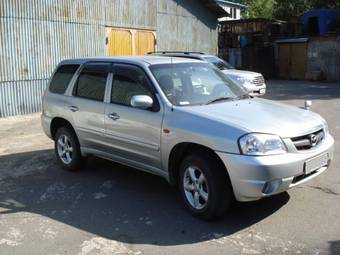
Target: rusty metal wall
[(21, 97), (36, 34), (186, 25)]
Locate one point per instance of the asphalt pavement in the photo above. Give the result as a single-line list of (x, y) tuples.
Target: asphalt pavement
[(108, 208)]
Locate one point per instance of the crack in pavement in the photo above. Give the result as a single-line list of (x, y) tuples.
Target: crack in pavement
[(325, 190)]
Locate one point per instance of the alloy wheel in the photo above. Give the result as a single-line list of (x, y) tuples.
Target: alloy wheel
[(195, 187), (65, 149)]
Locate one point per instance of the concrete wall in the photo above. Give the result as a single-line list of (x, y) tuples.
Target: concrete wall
[(324, 55), (36, 34)]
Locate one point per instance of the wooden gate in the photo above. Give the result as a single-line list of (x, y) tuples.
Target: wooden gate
[(127, 42), (120, 42), (292, 60)]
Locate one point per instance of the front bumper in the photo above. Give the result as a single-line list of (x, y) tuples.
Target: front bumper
[(46, 125), (255, 90), (251, 175)]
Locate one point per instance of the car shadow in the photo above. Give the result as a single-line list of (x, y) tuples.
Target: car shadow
[(334, 247), (115, 201)]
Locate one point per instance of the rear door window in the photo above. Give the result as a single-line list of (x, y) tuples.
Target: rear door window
[(62, 78), (91, 82)]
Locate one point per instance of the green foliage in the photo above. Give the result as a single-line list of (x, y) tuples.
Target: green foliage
[(325, 4), (283, 9), (258, 9)]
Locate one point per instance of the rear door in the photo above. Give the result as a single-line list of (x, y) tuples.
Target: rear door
[(86, 106), (133, 135)]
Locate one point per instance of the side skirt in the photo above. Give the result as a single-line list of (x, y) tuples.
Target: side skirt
[(142, 167)]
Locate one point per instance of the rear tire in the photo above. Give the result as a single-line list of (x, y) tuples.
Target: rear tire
[(67, 149), (205, 186)]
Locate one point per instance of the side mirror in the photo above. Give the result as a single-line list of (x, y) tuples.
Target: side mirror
[(141, 101)]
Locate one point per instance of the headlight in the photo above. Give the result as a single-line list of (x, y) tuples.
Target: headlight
[(244, 81), (261, 144), (325, 126)]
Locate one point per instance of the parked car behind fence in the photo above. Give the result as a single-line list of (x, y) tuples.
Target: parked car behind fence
[(253, 82)]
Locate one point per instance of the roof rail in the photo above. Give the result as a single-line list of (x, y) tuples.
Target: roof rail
[(179, 52)]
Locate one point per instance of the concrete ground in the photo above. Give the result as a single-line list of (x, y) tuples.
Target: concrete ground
[(111, 209)]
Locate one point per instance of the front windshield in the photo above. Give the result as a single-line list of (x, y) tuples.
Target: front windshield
[(219, 63), (195, 83)]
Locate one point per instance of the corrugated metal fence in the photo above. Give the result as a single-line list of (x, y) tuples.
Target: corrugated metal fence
[(21, 97), (35, 35)]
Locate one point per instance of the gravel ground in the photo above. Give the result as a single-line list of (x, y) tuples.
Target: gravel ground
[(112, 209)]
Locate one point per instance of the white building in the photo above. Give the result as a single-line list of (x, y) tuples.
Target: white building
[(233, 9)]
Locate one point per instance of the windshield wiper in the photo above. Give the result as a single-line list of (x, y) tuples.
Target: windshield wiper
[(220, 99)]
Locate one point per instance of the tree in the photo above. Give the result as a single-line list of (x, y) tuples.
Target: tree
[(325, 4), (285, 9), (258, 9)]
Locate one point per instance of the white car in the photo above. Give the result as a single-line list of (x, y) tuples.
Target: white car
[(253, 82)]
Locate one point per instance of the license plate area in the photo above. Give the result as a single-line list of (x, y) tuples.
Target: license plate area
[(315, 163)]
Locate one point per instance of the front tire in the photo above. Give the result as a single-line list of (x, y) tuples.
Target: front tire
[(205, 186), (67, 149)]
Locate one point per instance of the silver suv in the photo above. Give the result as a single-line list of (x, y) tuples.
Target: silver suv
[(185, 121), (253, 82)]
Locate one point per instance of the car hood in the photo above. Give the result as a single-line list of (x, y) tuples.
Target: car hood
[(241, 73), (261, 115)]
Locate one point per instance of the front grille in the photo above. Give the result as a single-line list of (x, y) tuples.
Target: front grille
[(258, 80), (309, 141)]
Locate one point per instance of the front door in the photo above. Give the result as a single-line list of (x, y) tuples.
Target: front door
[(133, 135)]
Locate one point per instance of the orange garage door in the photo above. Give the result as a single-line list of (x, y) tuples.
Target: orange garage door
[(120, 42), (130, 42)]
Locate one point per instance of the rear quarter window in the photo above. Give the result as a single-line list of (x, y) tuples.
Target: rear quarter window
[(62, 78)]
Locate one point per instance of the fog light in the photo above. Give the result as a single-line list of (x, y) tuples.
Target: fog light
[(271, 187), (329, 163)]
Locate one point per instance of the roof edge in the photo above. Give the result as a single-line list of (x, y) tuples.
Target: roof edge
[(215, 7), (232, 3)]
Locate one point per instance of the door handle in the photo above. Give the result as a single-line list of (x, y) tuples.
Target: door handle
[(73, 108), (113, 116)]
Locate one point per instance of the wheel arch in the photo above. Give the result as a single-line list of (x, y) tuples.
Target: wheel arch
[(57, 123), (180, 150)]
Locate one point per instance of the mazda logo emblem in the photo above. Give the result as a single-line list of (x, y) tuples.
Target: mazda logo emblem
[(313, 140)]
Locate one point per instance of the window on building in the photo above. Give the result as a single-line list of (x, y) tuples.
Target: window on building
[(62, 78), (92, 81), (128, 81)]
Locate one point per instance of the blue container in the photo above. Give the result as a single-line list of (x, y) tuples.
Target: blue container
[(321, 21)]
